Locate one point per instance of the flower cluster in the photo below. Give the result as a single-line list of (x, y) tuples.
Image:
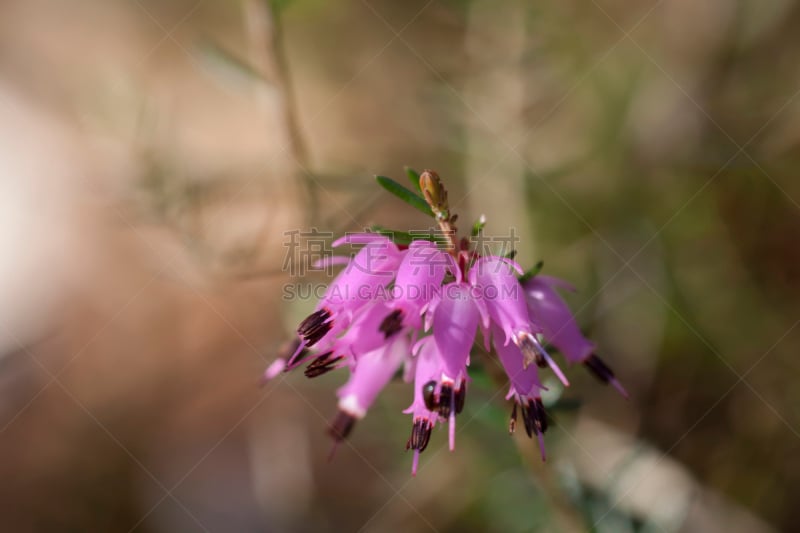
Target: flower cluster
[(418, 308)]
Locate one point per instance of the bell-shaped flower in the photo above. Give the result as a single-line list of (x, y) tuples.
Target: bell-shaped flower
[(525, 389), (424, 409), (455, 317), (551, 312), (369, 376), (495, 279), (365, 334), (363, 277), (372, 314), (419, 280)]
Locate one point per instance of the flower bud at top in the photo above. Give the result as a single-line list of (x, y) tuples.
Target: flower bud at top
[(434, 193)]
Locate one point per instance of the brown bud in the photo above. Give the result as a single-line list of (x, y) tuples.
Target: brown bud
[(434, 193)]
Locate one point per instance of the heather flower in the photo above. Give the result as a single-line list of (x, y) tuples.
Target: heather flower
[(506, 302), (352, 289), (425, 409), (367, 378), (418, 304), (525, 389), (419, 278), (551, 312)]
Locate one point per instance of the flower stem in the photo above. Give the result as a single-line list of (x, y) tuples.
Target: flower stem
[(436, 195)]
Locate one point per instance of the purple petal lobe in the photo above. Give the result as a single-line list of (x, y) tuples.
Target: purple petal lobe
[(525, 380), (426, 381), (552, 314), (360, 238), (555, 282), (364, 277), (495, 280), (366, 333), (334, 260), (455, 323), (419, 278), (371, 374)]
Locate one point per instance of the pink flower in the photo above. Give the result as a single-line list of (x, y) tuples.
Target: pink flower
[(420, 307), (372, 373), (372, 268), (504, 297), (549, 310)]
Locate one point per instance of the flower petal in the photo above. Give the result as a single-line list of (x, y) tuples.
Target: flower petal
[(372, 373), (551, 313), (524, 380), (455, 323), (495, 282)]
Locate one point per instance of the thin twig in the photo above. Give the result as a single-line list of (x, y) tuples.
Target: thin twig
[(268, 57)]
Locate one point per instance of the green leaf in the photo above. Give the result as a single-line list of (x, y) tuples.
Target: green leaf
[(413, 177), (405, 238), (478, 226), (532, 272), (404, 194), (511, 255)]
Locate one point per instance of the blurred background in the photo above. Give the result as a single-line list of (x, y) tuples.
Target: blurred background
[(154, 155)]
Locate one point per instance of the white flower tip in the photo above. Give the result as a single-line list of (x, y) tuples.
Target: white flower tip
[(415, 463), (275, 368), (559, 374), (540, 436), (617, 385), (349, 404), (452, 431)]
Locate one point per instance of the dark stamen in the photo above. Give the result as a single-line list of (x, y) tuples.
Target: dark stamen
[(534, 417), (526, 418), (292, 354), (429, 395), (597, 367), (342, 426), (443, 407), (604, 373), (461, 396), (532, 351), (512, 423), (392, 324), (540, 416), (322, 365), (315, 326), (420, 435)]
